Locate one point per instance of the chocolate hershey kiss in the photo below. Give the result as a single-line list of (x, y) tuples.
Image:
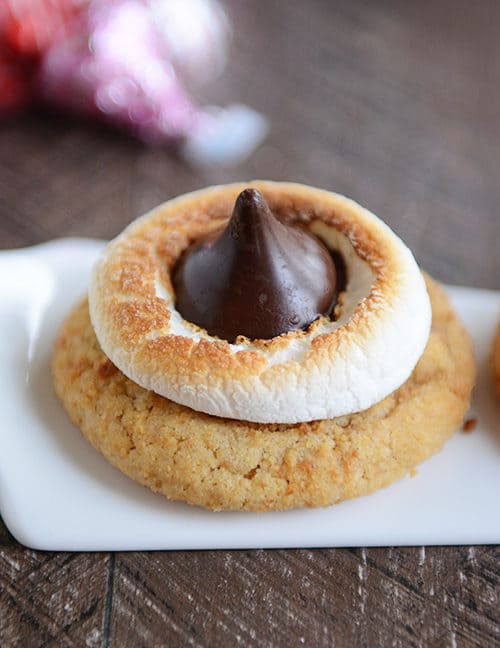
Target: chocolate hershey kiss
[(259, 278)]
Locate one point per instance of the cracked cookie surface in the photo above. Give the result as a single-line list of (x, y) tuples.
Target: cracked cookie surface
[(227, 464)]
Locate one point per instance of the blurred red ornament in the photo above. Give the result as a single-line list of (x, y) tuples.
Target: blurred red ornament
[(27, 29), (126, 62), (30, 26), (15, 90)]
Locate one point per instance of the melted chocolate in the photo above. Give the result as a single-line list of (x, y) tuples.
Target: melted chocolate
[(259, 277), (341, 271)]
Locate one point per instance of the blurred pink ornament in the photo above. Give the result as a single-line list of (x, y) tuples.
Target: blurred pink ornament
[(197, 34), (129, 63), (113, 65)]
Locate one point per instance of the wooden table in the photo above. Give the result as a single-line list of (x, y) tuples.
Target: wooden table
[(396, 104)]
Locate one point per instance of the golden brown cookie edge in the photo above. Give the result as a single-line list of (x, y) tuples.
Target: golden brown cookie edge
[(224, 464)]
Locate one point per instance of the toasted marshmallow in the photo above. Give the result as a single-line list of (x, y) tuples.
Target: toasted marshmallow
[(335, 367)]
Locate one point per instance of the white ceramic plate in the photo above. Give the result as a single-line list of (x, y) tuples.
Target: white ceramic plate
[(57, 492)]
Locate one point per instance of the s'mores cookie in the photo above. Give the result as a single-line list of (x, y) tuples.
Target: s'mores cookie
[(263, 348)]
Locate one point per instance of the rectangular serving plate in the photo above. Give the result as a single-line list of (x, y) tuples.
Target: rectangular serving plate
[(58, 493)]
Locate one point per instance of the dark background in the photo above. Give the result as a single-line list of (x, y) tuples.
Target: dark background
[(396, 104)]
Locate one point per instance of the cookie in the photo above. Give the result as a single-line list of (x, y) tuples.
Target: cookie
[(496, 359), (222, 463)]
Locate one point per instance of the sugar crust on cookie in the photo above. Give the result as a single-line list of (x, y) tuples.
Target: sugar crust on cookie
[(226, 464), (333, 369)]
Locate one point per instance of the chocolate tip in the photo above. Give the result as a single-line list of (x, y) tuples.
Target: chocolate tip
[(251, 198), (250, 204)]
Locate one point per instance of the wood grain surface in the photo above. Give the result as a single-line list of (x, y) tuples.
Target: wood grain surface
[(394, 103)]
